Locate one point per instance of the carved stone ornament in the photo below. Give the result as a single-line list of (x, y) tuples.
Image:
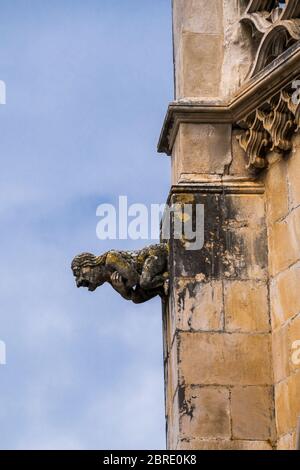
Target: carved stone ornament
[(266, 107), (136, 275), (276, 27), (271, 127)]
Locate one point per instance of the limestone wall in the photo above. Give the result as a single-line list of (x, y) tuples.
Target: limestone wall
[(212, 53), (218, 358), (233, 312), (282, 181), (198, 29)]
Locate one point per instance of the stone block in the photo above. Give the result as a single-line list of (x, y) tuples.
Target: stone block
[(173, 374), (285, 299), (282, 408), (281, 353), (246, 306), (173, 425), (245, 254), (244, 210), (198, 71), (205, 412), (294, 344), (203, 148), (294, 174), (277, 193), (197, 17), (222, 444), (252, 413), (287, 442), (293, 394), (284, 245), (287, 404), (207, 261), (224, 358), (199, 305)]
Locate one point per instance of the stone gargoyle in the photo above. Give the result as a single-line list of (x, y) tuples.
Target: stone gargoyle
[(136, 275)]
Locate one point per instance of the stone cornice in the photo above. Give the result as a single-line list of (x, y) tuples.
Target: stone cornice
[(190, 112), (225, 185), (252, 95)]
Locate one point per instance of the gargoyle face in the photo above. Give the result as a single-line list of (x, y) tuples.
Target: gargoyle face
[(87, 277)]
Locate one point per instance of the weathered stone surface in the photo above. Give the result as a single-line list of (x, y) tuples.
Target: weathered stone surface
[(283, 416), (203, 148), (245, 254), (197, 17), (198, 27), (173, 373), (252, 413), (220, 444), (175, 162), (287, 404), (287, 391), (237, 51), (225, 359), (173, 433), (205, 412), (244, 210), (281, 353), (196, 64), (287, 442), (295, 224), (234, 239), (293, 394), (168, 325), (207, 261), (285, 299), (239, 158), (294, 344), (199, 305), (218, 19), (246, 306), (277, 191), (293, 174), (283, 245), (227, 351)]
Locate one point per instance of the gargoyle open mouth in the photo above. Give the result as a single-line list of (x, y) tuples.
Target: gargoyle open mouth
[(85, 283)]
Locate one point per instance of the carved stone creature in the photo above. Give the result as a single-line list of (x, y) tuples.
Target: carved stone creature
[(136, 275)]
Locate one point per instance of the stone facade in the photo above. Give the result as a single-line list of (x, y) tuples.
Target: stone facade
[(284, 269), (233, 314)]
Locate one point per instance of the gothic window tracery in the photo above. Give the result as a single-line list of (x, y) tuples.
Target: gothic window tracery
[(275, 25)]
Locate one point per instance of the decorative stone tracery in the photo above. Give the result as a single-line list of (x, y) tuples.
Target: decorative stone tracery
[(270, 127), (276, 25)]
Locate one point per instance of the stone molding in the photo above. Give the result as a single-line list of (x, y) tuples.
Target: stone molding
[(219, 186)]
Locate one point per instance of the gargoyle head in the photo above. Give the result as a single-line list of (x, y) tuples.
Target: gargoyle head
[(89, 271)]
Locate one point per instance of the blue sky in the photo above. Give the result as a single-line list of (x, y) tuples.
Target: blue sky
[(87, 88)]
